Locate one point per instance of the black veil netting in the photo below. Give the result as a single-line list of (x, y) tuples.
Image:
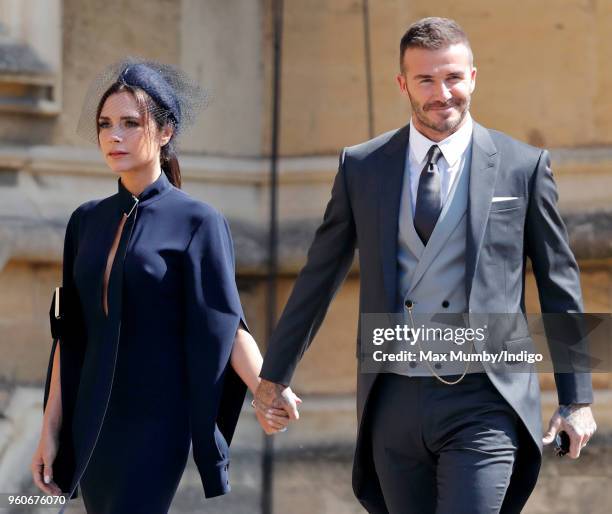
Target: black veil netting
[(176, 97)]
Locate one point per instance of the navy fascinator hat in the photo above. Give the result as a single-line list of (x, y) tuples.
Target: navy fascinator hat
[(175, 97), (155, 85)]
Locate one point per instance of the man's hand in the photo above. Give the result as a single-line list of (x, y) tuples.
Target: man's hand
[(272, 420), (577, 421), (271, 397)]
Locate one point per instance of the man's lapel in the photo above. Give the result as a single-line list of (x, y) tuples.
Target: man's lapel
[(391, 166), (406, 230), (483, 172)]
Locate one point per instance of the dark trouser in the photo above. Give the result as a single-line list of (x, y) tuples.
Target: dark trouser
[(442, 449)]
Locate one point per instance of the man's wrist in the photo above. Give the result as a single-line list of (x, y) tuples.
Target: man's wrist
[(269, 383), (567, 409)]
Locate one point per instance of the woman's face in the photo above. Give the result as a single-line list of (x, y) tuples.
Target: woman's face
[(129, 140)]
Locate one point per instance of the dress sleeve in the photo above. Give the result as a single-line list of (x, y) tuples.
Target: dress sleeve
[(213, 314), (71, 337)]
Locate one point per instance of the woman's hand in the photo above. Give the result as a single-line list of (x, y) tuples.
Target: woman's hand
[(42, 462), (272, 419), (246, 359)]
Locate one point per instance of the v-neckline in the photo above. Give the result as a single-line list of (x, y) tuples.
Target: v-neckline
[(127, 203), (109, 263)]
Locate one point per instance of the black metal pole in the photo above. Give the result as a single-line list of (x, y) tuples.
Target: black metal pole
[(267, 464), (368, 67)]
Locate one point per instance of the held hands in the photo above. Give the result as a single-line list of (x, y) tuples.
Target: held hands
[(577, 421), (42, 463), (275, 406)]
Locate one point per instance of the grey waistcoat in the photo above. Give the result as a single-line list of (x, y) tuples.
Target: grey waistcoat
[(433, 276)]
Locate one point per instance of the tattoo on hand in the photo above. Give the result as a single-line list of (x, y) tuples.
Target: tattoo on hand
[(578, 416)]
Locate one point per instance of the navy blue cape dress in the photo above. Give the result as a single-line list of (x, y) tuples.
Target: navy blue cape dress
[(143, 382)]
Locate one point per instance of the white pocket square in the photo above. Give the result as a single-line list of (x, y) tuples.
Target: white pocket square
[(504, 198)]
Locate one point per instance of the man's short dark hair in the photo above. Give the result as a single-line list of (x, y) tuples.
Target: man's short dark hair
[(432, 34)]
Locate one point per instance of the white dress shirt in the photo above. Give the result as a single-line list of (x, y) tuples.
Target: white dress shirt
[(454, 149)]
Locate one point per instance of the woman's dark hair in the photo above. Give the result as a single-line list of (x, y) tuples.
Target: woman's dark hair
[(146, 105)]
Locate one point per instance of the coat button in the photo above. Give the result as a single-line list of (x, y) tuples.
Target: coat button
[(445, 304), (437, 365), (409, 304), (412, 364)]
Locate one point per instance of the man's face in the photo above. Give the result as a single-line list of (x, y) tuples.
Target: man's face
[(439, 84)]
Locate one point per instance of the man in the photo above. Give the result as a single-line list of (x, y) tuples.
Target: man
[(444, 212)]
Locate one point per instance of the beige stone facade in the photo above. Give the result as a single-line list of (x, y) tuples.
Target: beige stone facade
[(543, 77)]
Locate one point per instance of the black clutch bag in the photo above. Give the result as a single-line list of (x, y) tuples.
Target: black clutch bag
[(56, 314), (57, 320), (63, 466)]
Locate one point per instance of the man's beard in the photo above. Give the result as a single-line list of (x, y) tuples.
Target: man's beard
[(445, 126)]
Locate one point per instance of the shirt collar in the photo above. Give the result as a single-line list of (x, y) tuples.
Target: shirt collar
[(151, 192), (452, 147)]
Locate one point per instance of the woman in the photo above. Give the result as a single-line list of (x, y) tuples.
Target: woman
[(154, 352)]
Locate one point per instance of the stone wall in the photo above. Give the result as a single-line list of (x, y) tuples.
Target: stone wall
[(542, 77)]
